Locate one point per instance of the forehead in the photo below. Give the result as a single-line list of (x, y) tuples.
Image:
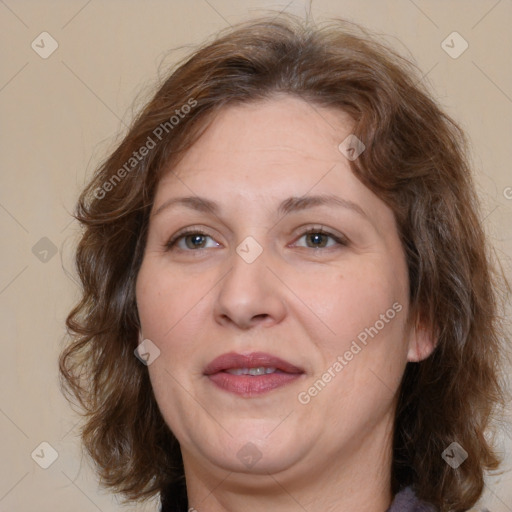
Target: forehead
[(262, 142), (282, 128)]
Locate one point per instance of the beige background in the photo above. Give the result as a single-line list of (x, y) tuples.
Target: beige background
[(61, 115)]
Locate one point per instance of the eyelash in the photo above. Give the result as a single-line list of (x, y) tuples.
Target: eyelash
[(170, 245)]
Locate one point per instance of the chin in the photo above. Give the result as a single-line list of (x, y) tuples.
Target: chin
[(252, 450), (249, 459)]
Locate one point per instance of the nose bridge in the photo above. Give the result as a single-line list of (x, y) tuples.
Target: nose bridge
[(249, 293)]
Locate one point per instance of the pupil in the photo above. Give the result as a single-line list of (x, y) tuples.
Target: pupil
[(317, 237), (196, 241)]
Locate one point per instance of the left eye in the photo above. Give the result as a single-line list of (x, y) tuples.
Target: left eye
[(319, 239)]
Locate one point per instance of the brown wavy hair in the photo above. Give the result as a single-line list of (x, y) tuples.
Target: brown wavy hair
[(416, 160)]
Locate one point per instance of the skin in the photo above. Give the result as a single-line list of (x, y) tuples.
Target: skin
[(299, 302)]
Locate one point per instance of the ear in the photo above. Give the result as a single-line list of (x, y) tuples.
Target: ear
[(422, 343)]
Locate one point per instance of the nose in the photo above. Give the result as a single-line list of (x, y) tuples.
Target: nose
[(249, 295)]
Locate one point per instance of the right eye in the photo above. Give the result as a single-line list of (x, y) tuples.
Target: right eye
[(190, 240)]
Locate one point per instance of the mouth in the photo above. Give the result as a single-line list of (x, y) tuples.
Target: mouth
[(251, 374), (256, 363)]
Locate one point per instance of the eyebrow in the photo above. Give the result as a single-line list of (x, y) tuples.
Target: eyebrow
[(289, 205)]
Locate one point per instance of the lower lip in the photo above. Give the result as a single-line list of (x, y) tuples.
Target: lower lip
[(252, 385)]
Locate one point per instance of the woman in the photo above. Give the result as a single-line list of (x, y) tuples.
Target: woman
[(288, 240)]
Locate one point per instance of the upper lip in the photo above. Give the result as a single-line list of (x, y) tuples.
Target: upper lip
[(253, 360)]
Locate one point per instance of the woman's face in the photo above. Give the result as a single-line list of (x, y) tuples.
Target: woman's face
[(297, 260)]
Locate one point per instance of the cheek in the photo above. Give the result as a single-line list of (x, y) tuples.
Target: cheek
[(354, 298), (367, 352), (165, 298), (371, 332), (363, 356), (173, 308), (170, 310)]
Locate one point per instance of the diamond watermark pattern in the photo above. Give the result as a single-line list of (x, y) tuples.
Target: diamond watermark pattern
[(454, 45), (249, 454), (45, 455), (351, 147), (44, 45), (249, 249), (44, 250), (147, 352), (454, 455)]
